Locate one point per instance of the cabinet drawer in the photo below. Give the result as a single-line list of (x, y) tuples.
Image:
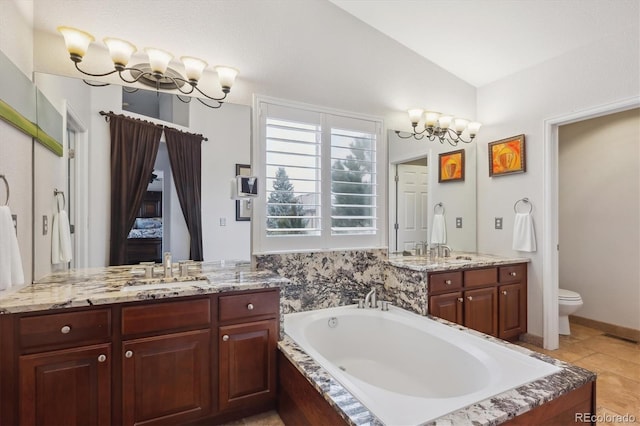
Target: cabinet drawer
[(512, 273), (188, 314), (66, 328), (248, 305), (446, 281), (480, 277)]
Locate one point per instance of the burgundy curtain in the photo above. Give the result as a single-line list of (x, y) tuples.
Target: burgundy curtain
[(134, 146), (185, 152)]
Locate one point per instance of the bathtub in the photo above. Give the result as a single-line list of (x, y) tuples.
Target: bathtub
[(405, 368)]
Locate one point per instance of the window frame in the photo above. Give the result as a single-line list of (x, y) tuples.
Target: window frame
[(263, 244)]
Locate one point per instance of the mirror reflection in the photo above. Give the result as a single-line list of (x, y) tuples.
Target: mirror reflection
[(161, 218), (414, 192)]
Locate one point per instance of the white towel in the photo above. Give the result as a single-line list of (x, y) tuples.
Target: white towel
[(438, 229), (524, 236), (60, 238), (11, 272)]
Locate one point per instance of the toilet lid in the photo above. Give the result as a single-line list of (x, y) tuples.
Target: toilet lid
[(568, 295)]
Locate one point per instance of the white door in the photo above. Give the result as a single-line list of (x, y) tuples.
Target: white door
[(412, 205)]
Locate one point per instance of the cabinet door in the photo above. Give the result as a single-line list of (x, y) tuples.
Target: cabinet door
[(447, 306), (166, 379), (481, 310), (512, 315), (247, 363), (66, 387)]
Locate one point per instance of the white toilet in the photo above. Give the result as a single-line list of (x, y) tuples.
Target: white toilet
[(568, 302)]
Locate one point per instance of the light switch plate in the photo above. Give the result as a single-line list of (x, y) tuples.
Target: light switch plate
[(458, 222), (498, 223), (45, 224), (14, 217), (223, 221)]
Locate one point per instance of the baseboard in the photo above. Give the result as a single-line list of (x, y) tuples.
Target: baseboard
[(532, 339), (614, 330)]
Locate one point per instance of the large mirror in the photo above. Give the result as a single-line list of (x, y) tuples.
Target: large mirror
[(84, 176), (415, 193)]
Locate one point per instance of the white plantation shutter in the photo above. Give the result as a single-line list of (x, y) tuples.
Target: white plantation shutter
[(321, 178)]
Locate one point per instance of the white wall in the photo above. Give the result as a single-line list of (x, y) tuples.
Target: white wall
[(599, 214), (595, 75), (16, 42)]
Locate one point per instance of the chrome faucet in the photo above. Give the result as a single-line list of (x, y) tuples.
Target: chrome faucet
[(446, 251), (370, 299)]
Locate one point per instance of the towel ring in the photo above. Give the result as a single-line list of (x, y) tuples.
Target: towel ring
[(523, 200), (57, 192), (6, 185), (435, 208)]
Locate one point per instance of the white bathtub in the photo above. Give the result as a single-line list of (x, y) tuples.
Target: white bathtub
[(405, 368)]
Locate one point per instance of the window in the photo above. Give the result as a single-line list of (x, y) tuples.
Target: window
[(321, 174)]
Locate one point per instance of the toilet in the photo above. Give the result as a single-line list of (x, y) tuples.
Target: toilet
[(568, 302)]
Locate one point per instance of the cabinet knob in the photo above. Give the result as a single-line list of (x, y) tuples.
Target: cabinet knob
[(128, 354), (225, 338), (65, 330), (460, 299), (250, 306), (513, 274), (102, 358), (470, 297), (504, 292), (447, 282)]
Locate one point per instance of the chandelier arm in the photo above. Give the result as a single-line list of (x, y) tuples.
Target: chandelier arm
[(130, 89), (186, 101), (87, 82), (211, 97), (91, 74), (416, 136), (457, 137), (135, 79), (211, 106), (174, 80)]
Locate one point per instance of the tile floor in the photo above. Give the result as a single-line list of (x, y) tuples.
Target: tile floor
[(617, 363)]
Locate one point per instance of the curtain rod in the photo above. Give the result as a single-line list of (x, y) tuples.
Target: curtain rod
[(108, 115)]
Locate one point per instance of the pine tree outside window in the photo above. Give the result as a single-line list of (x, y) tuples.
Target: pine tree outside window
[(321, 171)]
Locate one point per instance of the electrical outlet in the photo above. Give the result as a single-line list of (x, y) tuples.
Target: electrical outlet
[(45, 224), (498, 223), (223, 221), (14, 217), (458, 222)]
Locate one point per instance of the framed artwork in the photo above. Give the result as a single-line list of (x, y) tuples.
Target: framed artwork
[(451, 166), (243, 207), (507, 156)]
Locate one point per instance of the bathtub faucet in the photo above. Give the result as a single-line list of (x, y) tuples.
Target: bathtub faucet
[(370, 299)]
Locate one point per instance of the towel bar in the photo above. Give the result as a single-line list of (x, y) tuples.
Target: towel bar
[(523, 200), (57, 192), (6, 185)]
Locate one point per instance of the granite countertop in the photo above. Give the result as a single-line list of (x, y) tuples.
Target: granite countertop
[(118, 284), (457, 260), (491, 411)]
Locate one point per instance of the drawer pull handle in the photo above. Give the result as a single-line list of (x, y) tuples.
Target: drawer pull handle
[(460, 299), (102, 358), (513, 274), (470, 297), (447, 282), (504, 292), (65, 330), (250, 306), (225, 338), (128, 354)]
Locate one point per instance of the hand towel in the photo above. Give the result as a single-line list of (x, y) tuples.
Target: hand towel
[(438, 229), (60, 238), (524, 236), (11, 272)]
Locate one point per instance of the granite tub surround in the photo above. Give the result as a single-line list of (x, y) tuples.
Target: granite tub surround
[(491, 411), (118, 284), (327, 278), (457, 260), (406, 288)]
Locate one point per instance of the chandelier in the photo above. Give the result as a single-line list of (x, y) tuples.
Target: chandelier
[(155, 73), (441, 127)]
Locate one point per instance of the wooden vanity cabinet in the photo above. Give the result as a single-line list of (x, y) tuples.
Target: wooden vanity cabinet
[(147, 363), (247, 348), (490, 300)]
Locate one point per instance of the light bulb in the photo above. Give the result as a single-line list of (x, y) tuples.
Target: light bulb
[(431, 118), (226, 76), (77, 42), (193, 68), (158, 60), (120, 51), (415, 115)]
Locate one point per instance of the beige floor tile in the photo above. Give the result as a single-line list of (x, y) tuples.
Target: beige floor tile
[(611, 418), (582, 332), (617, 348), (601, 363), (619, 394), (270, 418)]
